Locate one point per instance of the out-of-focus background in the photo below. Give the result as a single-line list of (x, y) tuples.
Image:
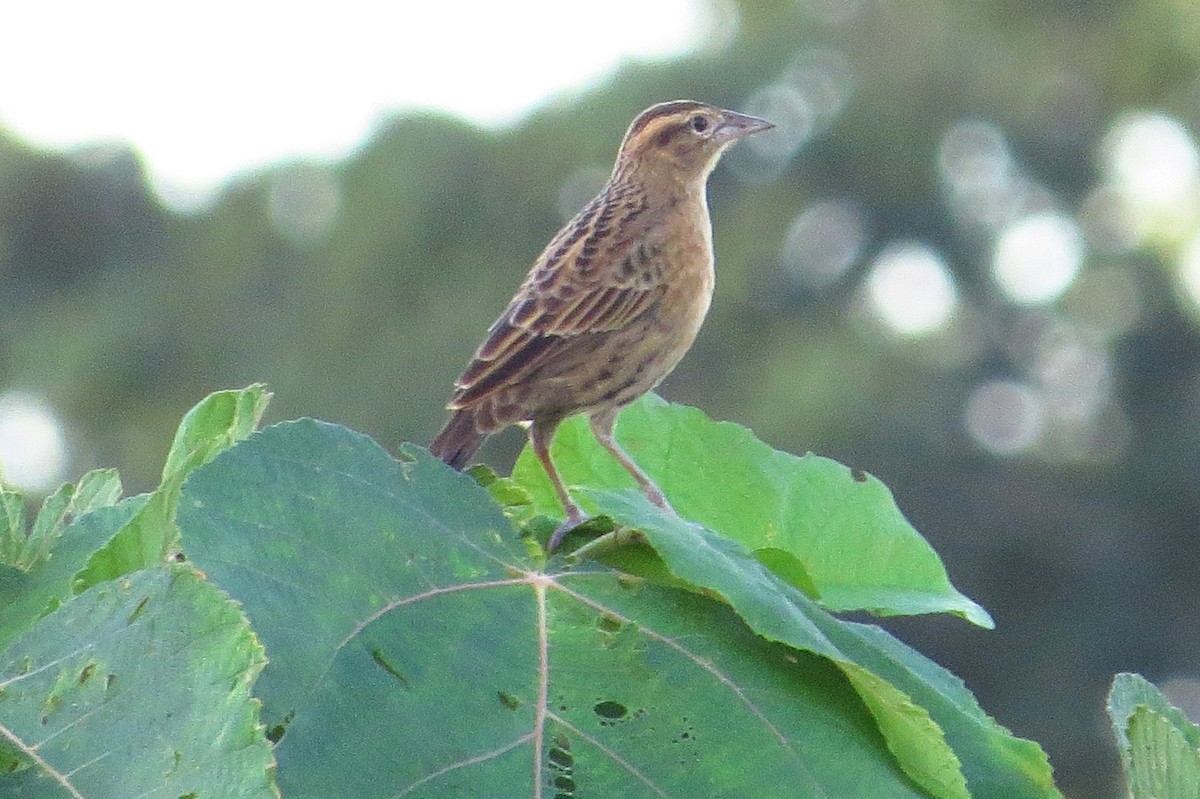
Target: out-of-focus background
[(967, 260)]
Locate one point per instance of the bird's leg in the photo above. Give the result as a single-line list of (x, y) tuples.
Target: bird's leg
[(540, 436), (603, 423)]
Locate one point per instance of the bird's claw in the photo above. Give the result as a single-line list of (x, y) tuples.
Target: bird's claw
[(575, 517)]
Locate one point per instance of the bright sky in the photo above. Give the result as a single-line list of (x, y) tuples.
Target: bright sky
[(204, 91)]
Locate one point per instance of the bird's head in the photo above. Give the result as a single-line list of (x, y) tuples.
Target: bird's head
[(683, 139)]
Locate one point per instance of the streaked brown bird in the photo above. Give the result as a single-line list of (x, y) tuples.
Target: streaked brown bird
[(611, 305)]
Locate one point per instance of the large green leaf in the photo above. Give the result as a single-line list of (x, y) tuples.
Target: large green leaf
[(217, 422), (1158, 745), (402, 614), (815, 522), (929, 719), (137, 687)]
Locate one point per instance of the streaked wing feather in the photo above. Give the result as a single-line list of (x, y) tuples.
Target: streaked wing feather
[(512, 351), (575, 289), (521, 351), (609, 308)]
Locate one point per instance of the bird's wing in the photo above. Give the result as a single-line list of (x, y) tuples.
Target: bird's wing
[(587, 281)]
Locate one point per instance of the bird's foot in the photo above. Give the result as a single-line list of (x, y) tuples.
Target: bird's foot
[(575, 517)]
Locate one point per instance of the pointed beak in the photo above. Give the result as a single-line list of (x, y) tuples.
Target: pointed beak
[(736, 126)]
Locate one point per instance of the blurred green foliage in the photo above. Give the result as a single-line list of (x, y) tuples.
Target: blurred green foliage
[(358, 289)]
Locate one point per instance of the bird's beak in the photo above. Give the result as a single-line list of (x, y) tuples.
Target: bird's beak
[(735, 126)]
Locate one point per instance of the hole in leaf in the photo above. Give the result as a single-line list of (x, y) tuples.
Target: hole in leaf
[(611, 711), (560, 754), (563, 764), (859, 475), (386, 665), (509, 701), (276, 733)]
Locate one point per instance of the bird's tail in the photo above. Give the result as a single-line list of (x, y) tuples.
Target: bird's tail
[(458, 440)]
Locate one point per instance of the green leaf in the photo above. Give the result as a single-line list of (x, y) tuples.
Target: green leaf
[(1158, 744), (218, 422), (1164, 765), (1129, 691), (812, 520), (929, 720), (13, 535), (137, 687), (23, 549), (99, 488), (994, 761), (401, 613), (26, 596), (778, 612), (513, 499)]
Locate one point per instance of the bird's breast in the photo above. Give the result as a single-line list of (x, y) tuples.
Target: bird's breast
[(692, 279)]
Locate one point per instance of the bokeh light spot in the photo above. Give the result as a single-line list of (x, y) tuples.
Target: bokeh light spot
[(1037, 257), (1074, 373), (1152, 158), (809, 95), (973, 155), (793, 114), (823, 243), (33, 447), (824, 79), (1005, 417), (910, 289)]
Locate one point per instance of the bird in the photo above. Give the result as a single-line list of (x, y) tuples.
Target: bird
[(610, 306)]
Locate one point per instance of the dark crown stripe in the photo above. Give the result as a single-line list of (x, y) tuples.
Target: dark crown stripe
[(650, 115)]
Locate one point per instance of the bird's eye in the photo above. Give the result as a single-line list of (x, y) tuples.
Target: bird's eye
[(699, 124)]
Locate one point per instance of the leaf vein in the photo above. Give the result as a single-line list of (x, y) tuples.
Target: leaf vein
[(703, 663), (483, 758), (31, 753)]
